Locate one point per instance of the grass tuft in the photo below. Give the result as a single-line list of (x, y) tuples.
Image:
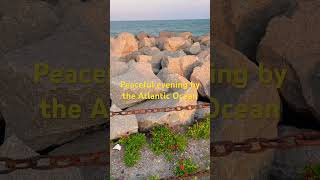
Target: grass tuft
[(200, 130), (133, 145), (185, 167), (164, 141)]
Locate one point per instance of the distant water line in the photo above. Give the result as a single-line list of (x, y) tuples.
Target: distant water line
[(197, 26)]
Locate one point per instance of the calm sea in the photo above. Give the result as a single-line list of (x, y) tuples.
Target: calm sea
[(197, 27)]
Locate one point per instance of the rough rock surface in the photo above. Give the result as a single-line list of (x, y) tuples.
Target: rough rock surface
[(181, 65), (137, 73), (118, 68), (201, 74), (122, 125), (23, 22), (241, 165), (147, 121), (194, 49), (144, 58), (165, 34), (174, 43), (185, 35), (124, 44), (70, 43), (241, 24), (16, 149), (292, 43), (201, 113)]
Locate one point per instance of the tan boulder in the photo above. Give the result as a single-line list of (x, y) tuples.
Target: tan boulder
[(181, 65), (147, 42), (174, 43), (117, 68), (138, 72), (144, 58), (292, 43), (194, 49), (122, 125), (124, 44), (165, 34), (201, 75), (185, 35)]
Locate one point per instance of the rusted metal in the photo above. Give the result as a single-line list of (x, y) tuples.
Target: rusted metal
[(157, 110), (256, 145), (8, 165)]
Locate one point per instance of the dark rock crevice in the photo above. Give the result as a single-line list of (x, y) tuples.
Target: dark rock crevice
[(2, 129), (301, 120)]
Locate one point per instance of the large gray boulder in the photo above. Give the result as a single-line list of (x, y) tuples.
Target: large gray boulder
[(241, 24), (137, 73), (201, 75), (292, 43), (238, 127), (72, 46), (122, 125), (147, 121), (23, 22)]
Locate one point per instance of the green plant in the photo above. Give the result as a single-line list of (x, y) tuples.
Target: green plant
[(200, 130), (185, 167), (133, 144), (154, 178), (312, 172), (164, 141)]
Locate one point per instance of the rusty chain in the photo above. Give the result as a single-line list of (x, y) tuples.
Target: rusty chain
[(217, 149), (8, 165), (256, 145), (157, 110)]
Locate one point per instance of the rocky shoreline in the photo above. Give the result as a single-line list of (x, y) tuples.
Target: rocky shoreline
[(168, 58)]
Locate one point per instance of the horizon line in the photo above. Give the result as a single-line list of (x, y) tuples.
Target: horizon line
[(159, 20)]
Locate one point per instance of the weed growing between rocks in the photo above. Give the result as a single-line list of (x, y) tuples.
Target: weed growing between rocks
[(312, 172), (185, 167), (133, 145), (154, 178), (164, 141), (200, 130)]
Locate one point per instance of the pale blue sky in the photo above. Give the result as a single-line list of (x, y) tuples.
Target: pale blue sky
[(122, 10)]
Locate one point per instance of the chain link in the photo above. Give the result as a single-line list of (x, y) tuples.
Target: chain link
[(8, 165), (256, 145), (157, 110), (218, 149)]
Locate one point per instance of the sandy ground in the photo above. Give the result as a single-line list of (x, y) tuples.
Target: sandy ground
[(153, 165)]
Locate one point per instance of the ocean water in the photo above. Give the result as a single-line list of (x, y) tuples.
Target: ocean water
[(197, 27)]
